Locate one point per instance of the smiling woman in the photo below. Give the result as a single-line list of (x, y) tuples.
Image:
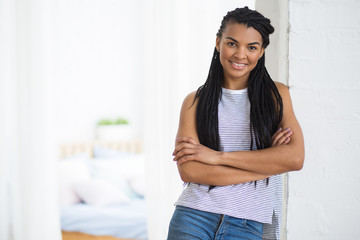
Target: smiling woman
[(240, 49), (237, 133)]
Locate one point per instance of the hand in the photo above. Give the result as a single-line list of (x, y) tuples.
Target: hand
[(190, 150), (281, 137)]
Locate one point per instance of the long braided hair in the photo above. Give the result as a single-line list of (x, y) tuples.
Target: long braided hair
[(266, 104)]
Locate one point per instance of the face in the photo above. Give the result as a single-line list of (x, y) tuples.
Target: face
[(240, 49)]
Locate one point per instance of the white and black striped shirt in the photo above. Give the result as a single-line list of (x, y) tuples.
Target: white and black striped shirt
[(263, 203)]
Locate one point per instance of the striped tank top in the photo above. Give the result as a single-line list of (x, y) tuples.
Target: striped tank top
[(263, 203)]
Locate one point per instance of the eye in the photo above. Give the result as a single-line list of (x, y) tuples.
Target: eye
[(231, 44), (253, 48)]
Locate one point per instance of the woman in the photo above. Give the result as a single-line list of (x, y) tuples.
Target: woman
[(234, 140)]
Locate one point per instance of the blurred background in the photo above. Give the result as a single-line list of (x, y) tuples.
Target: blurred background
[(91, 89)]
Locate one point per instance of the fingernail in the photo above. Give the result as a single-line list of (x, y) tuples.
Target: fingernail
[(287, 129), (280, 129), (289, 132)]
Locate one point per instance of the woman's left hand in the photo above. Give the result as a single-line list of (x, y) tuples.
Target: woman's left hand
[(190, 150)]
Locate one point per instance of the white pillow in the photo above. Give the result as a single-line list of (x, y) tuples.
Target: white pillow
[(129, 167), (69, 172), (66, 195), (126, 173), (138, 185), (99, 192)]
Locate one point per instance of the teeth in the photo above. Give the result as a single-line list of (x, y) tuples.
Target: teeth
[(238, 64)]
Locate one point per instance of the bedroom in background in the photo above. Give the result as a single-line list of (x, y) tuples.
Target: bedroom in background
[(40, 79), (98, 49), (65, 66), (74, 63)]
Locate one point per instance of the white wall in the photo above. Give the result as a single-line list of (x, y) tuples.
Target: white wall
[(277, 65), (277, 52), (324, 57)]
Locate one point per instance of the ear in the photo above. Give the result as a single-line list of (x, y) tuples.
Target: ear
[(218, 44), (262, 52)]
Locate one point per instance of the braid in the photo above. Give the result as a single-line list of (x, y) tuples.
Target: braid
[(207, 108), (266, 104)]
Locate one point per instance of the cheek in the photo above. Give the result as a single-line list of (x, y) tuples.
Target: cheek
[(223, 57), (254, 62), (254, 59), (223, 53)]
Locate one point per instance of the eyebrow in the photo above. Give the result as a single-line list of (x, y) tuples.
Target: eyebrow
[(232, 39), (252, 43)]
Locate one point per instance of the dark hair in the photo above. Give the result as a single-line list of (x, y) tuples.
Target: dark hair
[(266, 104)]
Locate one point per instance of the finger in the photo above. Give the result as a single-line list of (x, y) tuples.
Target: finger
[(284, 139), (185, 159), (278, 135), (184, 152), (181, 147), (272, 138)]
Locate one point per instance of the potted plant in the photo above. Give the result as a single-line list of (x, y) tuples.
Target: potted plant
[(112, 130)]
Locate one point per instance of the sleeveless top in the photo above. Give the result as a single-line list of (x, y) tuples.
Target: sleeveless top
[(261, 203)]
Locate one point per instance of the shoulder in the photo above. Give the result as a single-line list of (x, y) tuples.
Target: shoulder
[(282, 88), (187, 122), (189, 101)]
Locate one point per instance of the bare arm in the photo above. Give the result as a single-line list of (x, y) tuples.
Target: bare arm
[(198, 172), (275, 160)]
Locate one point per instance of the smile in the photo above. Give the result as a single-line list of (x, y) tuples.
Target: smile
[(238, 65)]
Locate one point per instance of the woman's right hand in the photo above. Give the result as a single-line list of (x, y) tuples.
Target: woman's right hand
[(281, 137)]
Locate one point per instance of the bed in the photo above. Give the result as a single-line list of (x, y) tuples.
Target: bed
[(102, 191)]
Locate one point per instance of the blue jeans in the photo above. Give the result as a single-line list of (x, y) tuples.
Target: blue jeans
[(189, 224)]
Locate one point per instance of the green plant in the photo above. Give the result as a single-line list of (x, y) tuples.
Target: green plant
[(120, 121), (107, 122), (104, 122)]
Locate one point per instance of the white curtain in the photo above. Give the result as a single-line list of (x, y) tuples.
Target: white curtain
[(28, 198)]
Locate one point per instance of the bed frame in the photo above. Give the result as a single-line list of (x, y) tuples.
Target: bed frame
[(83, 236)]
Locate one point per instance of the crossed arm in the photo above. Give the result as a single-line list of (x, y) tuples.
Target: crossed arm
[(199, 164)]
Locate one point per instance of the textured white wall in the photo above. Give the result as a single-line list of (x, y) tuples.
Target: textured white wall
[(324, 57), (277, 64)]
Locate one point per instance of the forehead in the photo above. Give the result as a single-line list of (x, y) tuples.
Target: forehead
[(241, 32)]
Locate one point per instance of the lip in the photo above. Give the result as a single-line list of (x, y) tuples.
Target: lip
[(237, 65)]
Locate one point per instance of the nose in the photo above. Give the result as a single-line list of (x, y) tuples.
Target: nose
[(240, 53)]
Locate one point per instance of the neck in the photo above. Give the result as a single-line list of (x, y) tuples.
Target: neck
[(236, 85)]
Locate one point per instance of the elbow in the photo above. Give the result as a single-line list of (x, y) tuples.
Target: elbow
[(185, 173), (299, 165), (298, 162), (185, 177)]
